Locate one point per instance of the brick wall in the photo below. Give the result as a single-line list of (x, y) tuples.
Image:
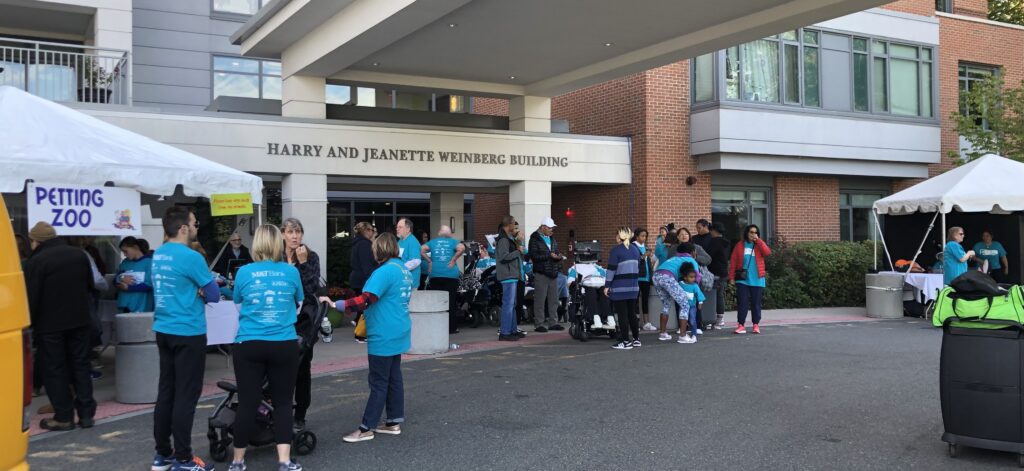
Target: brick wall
[(975, 8), (488, 209), (490, 106), (916, 7), (806, 207)]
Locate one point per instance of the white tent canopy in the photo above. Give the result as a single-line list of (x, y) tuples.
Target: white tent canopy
[(44, 141), (991, 184)]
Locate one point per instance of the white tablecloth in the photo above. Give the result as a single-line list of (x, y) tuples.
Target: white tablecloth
[(926, 285), (221, 323)]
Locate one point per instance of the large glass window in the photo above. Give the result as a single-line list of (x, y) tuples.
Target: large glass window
[(856, 222), (970, 77), (760, 78), (238, 7), (704, 78), (732, 73), (860, 75), (735, 208), (902, 79), (244, 77)]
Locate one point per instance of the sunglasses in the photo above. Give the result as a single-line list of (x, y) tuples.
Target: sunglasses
[(752, 232)]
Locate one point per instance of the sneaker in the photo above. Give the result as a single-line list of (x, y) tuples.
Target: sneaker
[(623, 346), (664, 336), (386, 429), (358, 436), (556, 327), (700, 332), (195, 464), (650, 327), (56, 426), (610, 325), (636, 343), (161, 462), (508, 338), (687, 339), (87, 422), (721, 323), (289, 466), (740, 329), (237, 466), (678, 331), (757, 329), (597, 322), (96, 365), (360, 340), (519, 334), (540, 329)]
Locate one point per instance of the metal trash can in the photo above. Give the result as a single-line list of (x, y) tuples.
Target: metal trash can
[(884, 295), (137, 360), (429, 313)]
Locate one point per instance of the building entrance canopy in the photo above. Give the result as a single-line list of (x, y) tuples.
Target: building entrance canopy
[(43, 141)]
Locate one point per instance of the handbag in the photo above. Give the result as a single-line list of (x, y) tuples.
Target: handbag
[(360, 330), (741, 274), (707, 279)]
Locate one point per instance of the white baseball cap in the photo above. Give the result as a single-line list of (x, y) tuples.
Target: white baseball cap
[(548, 222)]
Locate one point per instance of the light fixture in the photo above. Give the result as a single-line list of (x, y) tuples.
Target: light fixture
[(512, 77), (609, 44), (376, 64), (453, 25)]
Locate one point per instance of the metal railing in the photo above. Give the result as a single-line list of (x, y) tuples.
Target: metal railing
[(67, 72)]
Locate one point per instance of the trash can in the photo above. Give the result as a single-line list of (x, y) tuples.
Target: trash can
[(137, 360), (708, 314), (429, 313), (655, 304), (884, 295)]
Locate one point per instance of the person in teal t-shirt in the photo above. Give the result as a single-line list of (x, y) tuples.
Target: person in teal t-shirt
[(442, 254), (135, 278), (749, 255), (954, 259), (268, 294), (385, 301), (694, 296), (409, 249), (994, 253)]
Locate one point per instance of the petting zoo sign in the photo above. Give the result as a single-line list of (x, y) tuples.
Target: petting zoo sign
[(75, 210)]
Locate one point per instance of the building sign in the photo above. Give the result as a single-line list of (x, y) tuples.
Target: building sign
[(230, 204), (367, 154), (85, 210)]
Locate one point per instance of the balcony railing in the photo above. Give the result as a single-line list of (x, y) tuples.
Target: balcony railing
[(67, 72)]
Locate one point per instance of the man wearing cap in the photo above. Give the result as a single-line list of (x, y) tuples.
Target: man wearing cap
[(59, 280), (547, 263)]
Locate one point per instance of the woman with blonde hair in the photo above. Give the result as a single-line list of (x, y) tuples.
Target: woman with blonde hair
[(267, 295), (385, 303), (622, 287)]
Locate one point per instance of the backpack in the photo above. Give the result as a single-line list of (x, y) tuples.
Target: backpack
[(979, 312), (707, 279)]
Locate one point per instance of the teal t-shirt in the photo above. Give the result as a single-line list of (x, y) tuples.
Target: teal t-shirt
[(178, 274), (754, 278), (952, 267), (675, 265), (546, 239), (410, 249), (693, 293), (992, 253), (660, 251), (643, 250), (442, 249), (485, 263), (267, 294), (141, 271), (388, 327)]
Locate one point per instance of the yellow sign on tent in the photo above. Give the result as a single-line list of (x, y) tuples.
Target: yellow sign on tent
[(230, 204)]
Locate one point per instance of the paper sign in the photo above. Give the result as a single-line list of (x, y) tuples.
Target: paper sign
[(75, 210), (230, 204)]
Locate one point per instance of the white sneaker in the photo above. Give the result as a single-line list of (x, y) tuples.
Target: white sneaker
[(677, 331), (597, 322), (700, 332), (664, 336), (686, 339), (623, 346), (650, 327), (610, 325), (721, 323)]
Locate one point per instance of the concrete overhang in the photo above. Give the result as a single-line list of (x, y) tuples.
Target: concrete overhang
[(549, 47)]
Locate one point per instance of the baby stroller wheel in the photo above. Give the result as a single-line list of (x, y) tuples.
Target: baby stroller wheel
[(218, 451), (574, 331), (494, 316), (304, 443)]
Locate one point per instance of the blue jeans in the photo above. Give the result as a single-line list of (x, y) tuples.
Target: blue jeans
[(748, 298), (386, 390), (508, 305)]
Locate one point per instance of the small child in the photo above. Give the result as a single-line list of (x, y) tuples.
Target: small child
[(695, 297)]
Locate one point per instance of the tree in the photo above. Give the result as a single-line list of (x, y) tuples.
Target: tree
[(1006, 11), (991, 120)]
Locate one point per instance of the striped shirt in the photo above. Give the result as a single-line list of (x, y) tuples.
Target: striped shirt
[(623, 273)]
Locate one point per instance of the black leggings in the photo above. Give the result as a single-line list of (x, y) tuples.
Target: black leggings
[(256, 360), (645, 297), (628, 321)]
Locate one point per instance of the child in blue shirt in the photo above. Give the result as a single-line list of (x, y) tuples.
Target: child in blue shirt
[(693, 294)]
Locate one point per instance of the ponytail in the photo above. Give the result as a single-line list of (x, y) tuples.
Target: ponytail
[(625, 235)]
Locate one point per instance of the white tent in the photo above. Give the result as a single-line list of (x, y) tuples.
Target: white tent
[(992, 184), (45, 141)]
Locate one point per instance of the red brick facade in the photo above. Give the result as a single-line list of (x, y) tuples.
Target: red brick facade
[(806, 207), (488, 209), (490, 106)]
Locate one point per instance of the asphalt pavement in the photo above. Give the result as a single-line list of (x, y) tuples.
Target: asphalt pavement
[(857, 396)]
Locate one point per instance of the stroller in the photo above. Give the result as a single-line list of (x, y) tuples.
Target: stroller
[(471, 302), (585, 297), (221, 422)]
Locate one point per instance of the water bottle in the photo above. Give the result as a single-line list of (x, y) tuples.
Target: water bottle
[(326, 330)]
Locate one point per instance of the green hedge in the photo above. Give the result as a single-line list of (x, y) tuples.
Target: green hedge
[(814, 274)]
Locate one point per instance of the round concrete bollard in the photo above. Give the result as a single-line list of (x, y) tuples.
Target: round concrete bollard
[(655, 314), (137, 360), (884, 295), (429, 313)]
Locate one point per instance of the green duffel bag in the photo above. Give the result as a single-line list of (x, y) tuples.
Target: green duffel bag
[(993, 312)]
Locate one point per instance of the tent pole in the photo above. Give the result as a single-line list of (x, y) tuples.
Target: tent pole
[(925, 239), (885, 247), (259, 215), (943, 229)]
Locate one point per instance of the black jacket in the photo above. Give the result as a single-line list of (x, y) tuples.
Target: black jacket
[(540, 254), (59, 282), (362, 262), (224, 263), (720, 251)]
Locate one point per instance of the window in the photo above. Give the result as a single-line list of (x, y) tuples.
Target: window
[(238, 7), (944, 6), (902, 79), (244, 77), (856, 222), (704, 78), (760, 78), (970, 77), (735, 208)]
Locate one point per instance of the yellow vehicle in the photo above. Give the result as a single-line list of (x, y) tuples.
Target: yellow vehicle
[(15, 352)]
